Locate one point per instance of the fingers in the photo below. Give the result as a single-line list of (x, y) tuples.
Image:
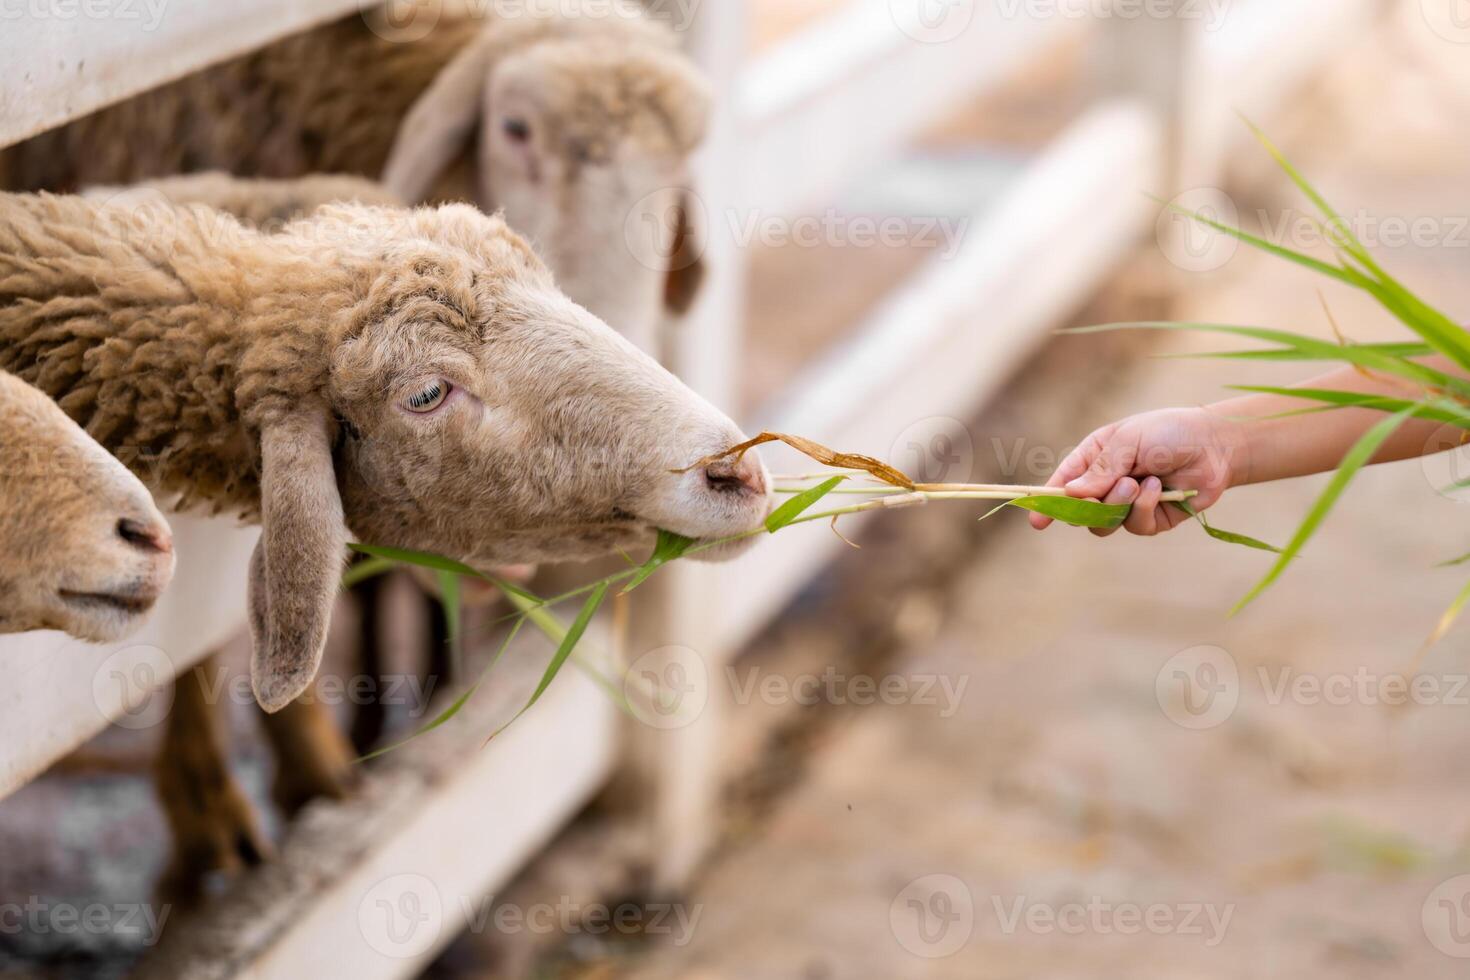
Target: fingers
[(1144, 518), (1074, 466), (1125, 491)]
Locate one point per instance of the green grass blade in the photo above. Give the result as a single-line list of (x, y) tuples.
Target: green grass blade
[(1073, 511), (1405, 349), (535, 610), (669, 547), (799, 504), (448, 713), (1357, 457), (1228, 537), (1280, 251), (1361, 355), (558, 660), (449, 600), (1438, 411), (364, 570), (1450, 615), (419, 558)]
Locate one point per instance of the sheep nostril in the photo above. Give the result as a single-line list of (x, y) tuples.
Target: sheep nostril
[(744, 477), (145, 537)]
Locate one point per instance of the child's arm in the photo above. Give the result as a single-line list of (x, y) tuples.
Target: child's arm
[(1229, 444)]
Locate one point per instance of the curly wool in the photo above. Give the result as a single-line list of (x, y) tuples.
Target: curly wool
[(176, 344)]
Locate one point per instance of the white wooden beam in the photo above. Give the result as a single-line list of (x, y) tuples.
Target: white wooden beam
[(60, 692), (822, 107), (60, 59), (375, 887)]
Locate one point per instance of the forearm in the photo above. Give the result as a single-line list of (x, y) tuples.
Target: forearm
[(1298, 445)]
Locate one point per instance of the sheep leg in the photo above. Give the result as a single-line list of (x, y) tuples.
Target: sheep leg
[(214, 826), (313, 757)]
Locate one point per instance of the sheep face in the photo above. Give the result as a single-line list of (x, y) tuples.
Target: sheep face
[(85, 549), (586, 146), (584, 141), (517, 427), (470, 410)]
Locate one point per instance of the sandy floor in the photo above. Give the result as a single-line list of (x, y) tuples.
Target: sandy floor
[(1062, 813)]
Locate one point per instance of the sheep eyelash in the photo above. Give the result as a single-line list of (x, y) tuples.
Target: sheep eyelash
[(430, 400)]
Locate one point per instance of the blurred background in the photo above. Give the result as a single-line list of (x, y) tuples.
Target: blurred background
[(961, 750)]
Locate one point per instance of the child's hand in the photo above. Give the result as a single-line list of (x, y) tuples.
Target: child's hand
[(1133, 461)]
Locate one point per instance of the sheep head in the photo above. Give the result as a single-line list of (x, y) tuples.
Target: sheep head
[(470, 410), (85, 549), (583, 127)]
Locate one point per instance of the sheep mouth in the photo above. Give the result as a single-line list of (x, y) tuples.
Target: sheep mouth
[(129, 605)]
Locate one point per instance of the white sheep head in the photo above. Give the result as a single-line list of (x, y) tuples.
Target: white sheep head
[(84, 548), (462, 406), (582, 128)]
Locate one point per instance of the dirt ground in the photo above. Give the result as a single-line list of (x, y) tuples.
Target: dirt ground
[(1121, 780)]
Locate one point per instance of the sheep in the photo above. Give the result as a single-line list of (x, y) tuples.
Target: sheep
[(83, 549), (413, 378), (577, 123)]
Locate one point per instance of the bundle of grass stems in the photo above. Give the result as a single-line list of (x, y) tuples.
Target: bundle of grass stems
[(874, 485)]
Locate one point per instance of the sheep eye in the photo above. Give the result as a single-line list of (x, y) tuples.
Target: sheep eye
[(518, 130), (428, 399)]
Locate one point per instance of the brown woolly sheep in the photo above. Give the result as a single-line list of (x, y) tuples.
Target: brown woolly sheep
[(578, 124), (82, 547), (413, 376)]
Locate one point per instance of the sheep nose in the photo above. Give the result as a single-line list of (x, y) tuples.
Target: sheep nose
[(150, 536), (745, 477)]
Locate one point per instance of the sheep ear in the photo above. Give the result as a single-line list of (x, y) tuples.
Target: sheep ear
[(686, 265), (297, 566), (438, 125)]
